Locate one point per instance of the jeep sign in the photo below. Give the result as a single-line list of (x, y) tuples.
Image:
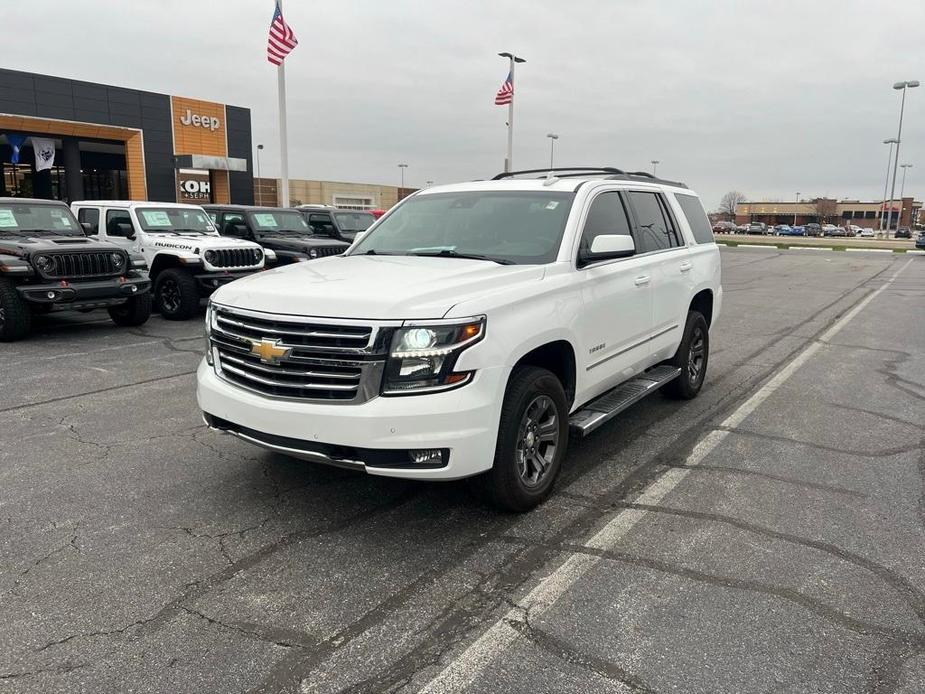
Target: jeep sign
[(200, 121)]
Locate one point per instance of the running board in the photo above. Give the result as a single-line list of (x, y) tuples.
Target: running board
[(607, 406)]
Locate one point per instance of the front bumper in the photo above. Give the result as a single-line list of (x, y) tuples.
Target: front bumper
[(84, 294), (375, 436), (210, 281)]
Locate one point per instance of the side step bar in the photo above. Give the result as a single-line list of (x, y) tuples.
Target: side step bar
[(607, 406)]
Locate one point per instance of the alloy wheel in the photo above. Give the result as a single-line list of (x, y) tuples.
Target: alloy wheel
[(696, 356), (169, 296), (537, 440)]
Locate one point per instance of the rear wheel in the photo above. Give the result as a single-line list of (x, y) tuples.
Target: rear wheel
[(133, 312), (177, 294), (691, 357), (532, 439), (15, 316)]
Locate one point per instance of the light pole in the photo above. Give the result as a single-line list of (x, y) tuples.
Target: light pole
[(428, 184), (259, 184), (402, 167), (902, 191), (552, 148), (902, 86), (509, 162), (655, 163), (795, 210), (886, 183)]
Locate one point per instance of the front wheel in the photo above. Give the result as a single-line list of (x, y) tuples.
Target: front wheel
[(177, 294), (133, 312), (691, 357), (532, 439), (15, 317)]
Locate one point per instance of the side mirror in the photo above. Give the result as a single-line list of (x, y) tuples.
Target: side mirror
[(236, 229), (88, 228), (607, 246), (125, 229)]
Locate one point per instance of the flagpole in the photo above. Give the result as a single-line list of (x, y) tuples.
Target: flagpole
[(283, 143), (509, 162)]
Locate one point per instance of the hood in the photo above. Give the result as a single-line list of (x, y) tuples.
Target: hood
[(373, 287), (300, 244), (197, 243), (24, 245)]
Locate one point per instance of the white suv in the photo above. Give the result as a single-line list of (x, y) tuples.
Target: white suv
[(470, 328), (187, 258)]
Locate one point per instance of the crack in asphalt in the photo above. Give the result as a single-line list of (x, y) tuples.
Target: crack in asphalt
[(723, 469), (882, 453), (70, 544), (277, 636), (57, 669)]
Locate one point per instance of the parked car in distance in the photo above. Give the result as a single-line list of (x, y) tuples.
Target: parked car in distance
[(903, 233), (47, 264), (724, 228), (337, 223), (741, 229), (866, 233), (757, 228), (472, 330), (920, 240), (832, 230), (812, 229), (794, 230), (782, 230), (279, 229)]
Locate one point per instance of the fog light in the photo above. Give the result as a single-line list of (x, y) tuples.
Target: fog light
[(51, 295), (425, 455)]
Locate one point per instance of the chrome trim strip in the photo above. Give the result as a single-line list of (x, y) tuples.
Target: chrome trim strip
[(289, 317), (312, 333), (286, 384), (312, 456), (290, 372), (632, 346)]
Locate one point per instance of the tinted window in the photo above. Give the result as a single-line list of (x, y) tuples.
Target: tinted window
[(91, 216), (354, 221), (654, 232), (606, 216), (116, 217), (230, 222), (696, 218), (321, 224)]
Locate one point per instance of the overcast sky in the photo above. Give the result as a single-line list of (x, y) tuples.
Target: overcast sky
[(767, 98)]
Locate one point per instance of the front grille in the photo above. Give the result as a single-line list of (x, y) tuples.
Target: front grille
[(233, 257), (323, 361), (324, 251), (83, 265)]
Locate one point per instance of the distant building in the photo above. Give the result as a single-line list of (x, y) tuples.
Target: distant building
[(353, 196), (829, 211)]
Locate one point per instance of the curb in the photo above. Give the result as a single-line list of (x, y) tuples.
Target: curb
[(875, 250)]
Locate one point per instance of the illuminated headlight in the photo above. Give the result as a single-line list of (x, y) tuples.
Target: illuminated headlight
[(44, 263), (423, 357), (118, 261), (209, 256)]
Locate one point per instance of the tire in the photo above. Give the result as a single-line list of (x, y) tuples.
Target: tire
[(692, 357), (534, 401), (133, 312), (15, 316), (176, 294)]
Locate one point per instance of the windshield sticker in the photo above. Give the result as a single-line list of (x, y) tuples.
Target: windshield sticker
[(552, 204), (156, 218), (64, 221), (265, 220), (7, 219)]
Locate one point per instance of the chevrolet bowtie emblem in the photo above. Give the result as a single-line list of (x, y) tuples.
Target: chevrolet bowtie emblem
[(269, 351)]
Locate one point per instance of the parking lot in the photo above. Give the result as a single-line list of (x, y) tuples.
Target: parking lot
[(766, 536)]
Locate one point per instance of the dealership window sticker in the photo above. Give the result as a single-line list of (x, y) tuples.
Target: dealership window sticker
[(7, 219), (265, 220), (156, 218)]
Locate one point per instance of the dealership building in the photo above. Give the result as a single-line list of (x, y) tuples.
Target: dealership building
[(111, 142), (829, 211)]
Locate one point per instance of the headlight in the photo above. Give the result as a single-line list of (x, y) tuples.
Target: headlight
[(118, 260), (258, 254), (423, 357), (209, 256), (313, 253), (45, 263)]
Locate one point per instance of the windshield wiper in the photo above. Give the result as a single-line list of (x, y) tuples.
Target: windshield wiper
[(449, 253)]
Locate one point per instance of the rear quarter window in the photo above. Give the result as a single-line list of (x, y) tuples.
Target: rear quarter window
[(696, 218)]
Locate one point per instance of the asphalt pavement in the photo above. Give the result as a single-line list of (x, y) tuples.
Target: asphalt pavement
[(768, 536)]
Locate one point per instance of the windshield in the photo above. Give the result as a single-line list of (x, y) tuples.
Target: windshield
[(281, 221), (354, 222), (175, 220), (17, 218), (522, 227)]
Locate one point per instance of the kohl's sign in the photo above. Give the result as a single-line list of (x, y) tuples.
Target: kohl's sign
[(197, 120)]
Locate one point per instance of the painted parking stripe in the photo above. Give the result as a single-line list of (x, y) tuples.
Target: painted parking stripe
[(757, 245), (460, 673), (870, 250), (810, 248)]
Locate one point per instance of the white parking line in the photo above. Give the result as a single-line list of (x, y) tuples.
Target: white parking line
[(915, 252), (758, 245), (810, 248), (460, 673), (870, 250)]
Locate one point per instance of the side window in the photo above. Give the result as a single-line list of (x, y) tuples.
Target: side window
[(606, 216), (233, 224), (321, 224), (91, 216), (654, 226), (118, 223), (696, 218)]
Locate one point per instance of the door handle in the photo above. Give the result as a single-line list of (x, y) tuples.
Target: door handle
[(642, 280), (686, 266)]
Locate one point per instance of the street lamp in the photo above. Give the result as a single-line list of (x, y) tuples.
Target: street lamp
[(902, 86), (509, 162), (428, 184), (902, 190), (259, 184), (655, 163), (886, 183), (402, 167), (795, 210), (552, 147)]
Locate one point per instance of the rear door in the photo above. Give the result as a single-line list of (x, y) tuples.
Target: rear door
[(659, 239), (116, 226)]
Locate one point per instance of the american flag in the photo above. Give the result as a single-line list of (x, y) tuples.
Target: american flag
[(505, 95), (281, 39)]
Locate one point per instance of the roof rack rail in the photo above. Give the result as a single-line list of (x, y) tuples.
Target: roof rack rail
[(578, 169), (640, 173)]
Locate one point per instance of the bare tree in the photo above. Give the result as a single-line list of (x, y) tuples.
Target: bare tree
[(729, 202), (825, 209)]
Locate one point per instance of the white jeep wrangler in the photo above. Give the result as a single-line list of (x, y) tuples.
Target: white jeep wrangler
[(187, 258), (471, 328)]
